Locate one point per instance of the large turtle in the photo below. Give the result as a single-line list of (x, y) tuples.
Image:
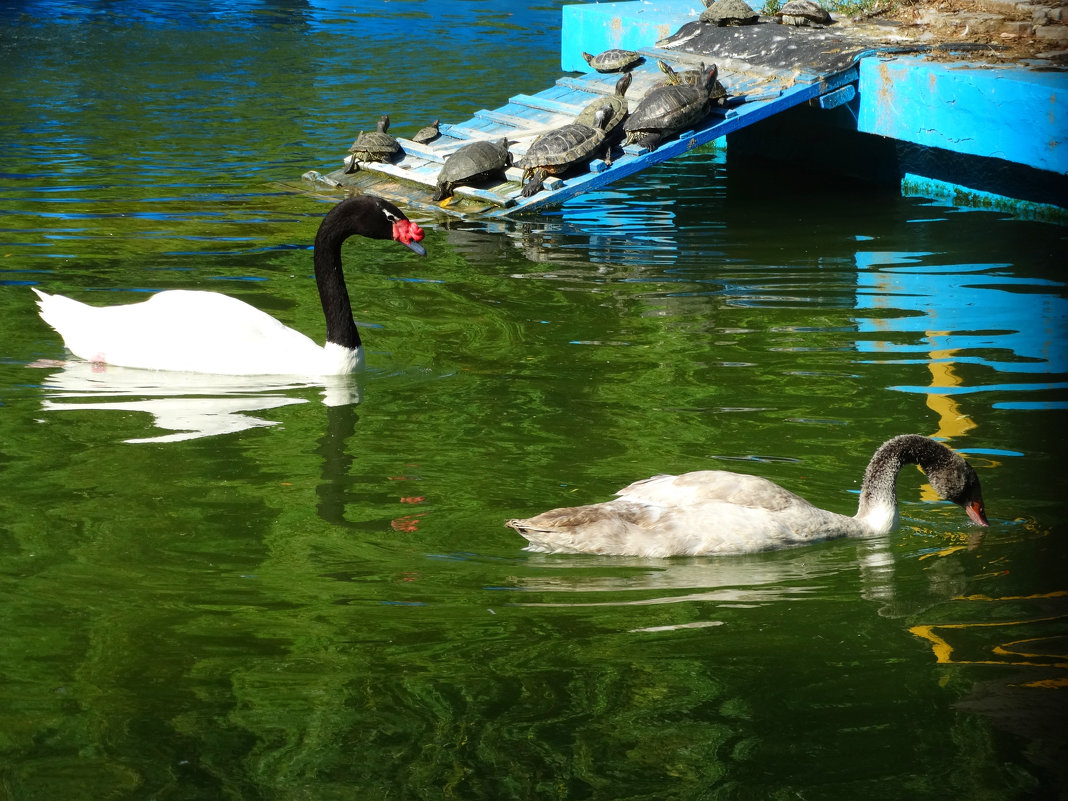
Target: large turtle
[(562, 148), (471, 164), (803, 12), (729, 12), (375, 145), (614, 60), (666, 110), (427, 134), (617, 106)]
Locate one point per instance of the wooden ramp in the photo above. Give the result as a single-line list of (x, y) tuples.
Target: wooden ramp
[(756, 92)]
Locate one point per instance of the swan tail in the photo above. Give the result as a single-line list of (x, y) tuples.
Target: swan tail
[(59, 312), (596, 528)]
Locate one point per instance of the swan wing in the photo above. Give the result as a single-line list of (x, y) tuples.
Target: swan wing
[(711, 486)]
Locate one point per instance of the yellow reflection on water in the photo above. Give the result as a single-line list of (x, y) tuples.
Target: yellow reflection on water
[(1027, 642)]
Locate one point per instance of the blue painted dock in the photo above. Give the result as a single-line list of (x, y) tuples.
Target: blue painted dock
[(838, 85)]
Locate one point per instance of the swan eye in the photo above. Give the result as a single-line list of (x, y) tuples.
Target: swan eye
[(393, 218)]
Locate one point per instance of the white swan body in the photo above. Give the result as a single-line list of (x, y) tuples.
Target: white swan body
[(192, 331), (711, 512), (208, 332)]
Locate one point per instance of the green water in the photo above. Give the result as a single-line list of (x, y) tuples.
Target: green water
[(230, 589)]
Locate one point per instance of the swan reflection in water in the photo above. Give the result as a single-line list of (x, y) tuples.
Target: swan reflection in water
[(193, 405)]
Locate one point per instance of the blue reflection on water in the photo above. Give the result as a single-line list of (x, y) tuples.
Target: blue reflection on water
[(962, 309)]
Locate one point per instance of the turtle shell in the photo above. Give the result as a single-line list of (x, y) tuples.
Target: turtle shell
[(614, 60), (803, 12), (666, 110), (729, 12), (472, 163), (427, 134), (561, 148), (616, 103), (569, 144), (375, 145)]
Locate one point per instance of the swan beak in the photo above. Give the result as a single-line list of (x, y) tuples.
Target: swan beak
[(415, 248), (976, 512)]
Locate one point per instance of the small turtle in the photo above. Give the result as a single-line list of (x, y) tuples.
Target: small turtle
[(666, 110), (471, 164), (562, 148), (427, 134), (729, 12), (803, 12), (617, 106), (373, 146), (614, 60), (691, 77)]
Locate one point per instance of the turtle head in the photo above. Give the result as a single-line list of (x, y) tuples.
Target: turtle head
[(503, 144), (710, 76)]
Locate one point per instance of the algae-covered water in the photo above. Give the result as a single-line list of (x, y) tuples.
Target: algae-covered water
[(245, 589)]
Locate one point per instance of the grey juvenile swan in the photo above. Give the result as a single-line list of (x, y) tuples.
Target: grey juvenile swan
[(711, 512)]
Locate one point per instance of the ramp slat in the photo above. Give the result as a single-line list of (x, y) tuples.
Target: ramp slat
[(545, 104)]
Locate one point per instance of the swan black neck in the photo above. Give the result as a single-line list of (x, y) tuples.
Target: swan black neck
[(334, 295), (363, 215)]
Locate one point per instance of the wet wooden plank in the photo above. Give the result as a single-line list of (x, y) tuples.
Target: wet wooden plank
[(546, 104)]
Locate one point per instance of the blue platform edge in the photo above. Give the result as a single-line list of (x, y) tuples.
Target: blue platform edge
[(1011, 113), (1008, 112)]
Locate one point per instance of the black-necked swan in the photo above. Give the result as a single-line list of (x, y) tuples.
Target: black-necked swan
[(208, 332), (711, 512)]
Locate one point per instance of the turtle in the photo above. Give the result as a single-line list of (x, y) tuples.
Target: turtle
[(427, 134), (729, 12), (666, 110), (560, 149), (375, 145), (617, 105), (614, 60), (692, 77), (803, 12), (471, 164)]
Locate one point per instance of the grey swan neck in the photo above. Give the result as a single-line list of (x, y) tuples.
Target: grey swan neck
[(330, 279), (877, 509)]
